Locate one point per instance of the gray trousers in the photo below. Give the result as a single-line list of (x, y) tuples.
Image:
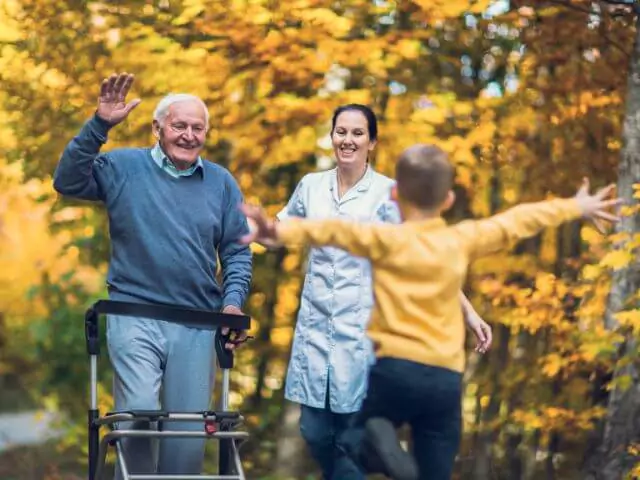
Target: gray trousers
[(161, 365)]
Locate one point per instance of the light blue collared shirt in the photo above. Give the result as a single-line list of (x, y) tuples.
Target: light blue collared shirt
[(331, 351), (167, 165)]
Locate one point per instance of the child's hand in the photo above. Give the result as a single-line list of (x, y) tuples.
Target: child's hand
[(482, 331), (594, 206), (261, 228)]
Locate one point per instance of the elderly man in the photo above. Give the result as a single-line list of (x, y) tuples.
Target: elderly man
[(171, 216)]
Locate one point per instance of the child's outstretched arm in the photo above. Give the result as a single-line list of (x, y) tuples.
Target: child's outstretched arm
[(364, 240), (483, 237)]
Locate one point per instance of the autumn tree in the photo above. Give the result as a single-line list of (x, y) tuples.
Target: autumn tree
[(618, 453)]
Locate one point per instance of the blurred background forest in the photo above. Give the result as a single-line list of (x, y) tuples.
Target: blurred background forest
[(527, 96)]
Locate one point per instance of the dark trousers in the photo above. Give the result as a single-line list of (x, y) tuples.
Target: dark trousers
[(324, 433), (425, 397)]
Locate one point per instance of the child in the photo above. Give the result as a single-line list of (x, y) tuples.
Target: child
[(416, 325)]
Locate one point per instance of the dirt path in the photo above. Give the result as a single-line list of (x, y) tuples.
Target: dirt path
[(26, 428)]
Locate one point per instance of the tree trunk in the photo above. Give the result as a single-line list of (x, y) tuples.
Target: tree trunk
[(549, 468), (530, 458), (514, 460), (622, 424)]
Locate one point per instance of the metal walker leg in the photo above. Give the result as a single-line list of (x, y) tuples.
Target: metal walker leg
[(92, 416), (228, 455), (93, 349)]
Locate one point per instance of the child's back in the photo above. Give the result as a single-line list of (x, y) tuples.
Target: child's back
[(417, 314)]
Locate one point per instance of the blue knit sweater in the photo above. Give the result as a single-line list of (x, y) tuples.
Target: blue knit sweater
[(166, 232)]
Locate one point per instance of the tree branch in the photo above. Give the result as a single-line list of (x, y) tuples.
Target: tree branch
[(577, 8), (571, 6), (632, 4)]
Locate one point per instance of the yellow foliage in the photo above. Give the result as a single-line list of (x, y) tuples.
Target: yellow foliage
[(617, 259), (545, 283), (28, 250), (552, 364), (441, 9), (271, 73), (327, 19), (256, 300), (288, 298), (634, 450), (257, 249), (429, 115), (409, 49), (281, 336), (591, 272), (629, 210), (629, 319), (290, 262), (10, 30), (550, 418)]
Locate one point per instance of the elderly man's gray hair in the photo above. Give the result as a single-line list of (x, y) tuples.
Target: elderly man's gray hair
[(162, 109)]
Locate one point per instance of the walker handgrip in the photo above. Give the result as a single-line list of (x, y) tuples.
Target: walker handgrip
[(225, 356), (203, 319), (91, 335)]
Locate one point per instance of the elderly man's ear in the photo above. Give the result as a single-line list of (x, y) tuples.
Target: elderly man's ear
[(156, 129)]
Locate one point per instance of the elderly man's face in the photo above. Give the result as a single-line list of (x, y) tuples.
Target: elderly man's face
[(183, 133)]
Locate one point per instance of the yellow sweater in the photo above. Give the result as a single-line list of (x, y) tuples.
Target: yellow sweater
[(419, 269)]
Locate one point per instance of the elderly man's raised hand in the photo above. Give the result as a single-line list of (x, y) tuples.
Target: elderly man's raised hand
[(112, 106)]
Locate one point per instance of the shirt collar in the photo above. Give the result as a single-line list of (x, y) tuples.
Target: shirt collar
[(363, 184), (161, 159), (428, 224)]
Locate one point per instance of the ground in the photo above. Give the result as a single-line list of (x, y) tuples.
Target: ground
[(41, 462)]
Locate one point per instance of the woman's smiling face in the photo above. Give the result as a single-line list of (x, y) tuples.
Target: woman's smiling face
[(350, 139)]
